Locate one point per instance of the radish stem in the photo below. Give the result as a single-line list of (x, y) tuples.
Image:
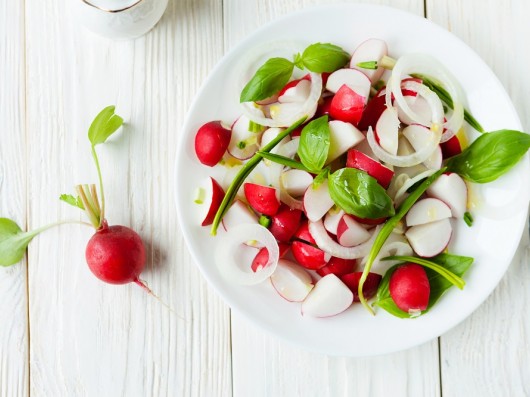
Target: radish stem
[(96, 160)]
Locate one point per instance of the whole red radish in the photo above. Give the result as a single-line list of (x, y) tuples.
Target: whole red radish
[(211, 142), (409, 288)]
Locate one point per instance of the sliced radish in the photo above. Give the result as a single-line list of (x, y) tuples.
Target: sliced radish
[(375, 169), (373, 110), (430, 239), (338, 267), (211, 142), (409, 288), (310, 257), (243, 142), (347, 105), (369, 287), (235, 267), (350, 233), (295, 182), (213, 197), (317, 201), (354, 79), (264, 199), (293, 83), (370, 50), (387, 129), (451, 148), (298, 92), (238, 214), (324, 107), (262, 257), (369, 222), (419, 106), (426, 211), (452, 190), (291, 281), (419, 136), (343, 136), (329, 297), (332, 219), (285, 223)]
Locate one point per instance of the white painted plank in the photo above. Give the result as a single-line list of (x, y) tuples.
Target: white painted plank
[(266, 366), (89, 338), (14, 372), (487, 355)]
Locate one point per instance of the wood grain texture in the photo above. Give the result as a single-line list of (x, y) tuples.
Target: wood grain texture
[(89, 338), (488, 355), (14, 371), (266, 366)]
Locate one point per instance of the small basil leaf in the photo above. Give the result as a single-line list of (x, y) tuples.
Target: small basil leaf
[(324, 57), (270, 78), (359, 194), (321, 177), (314, 144), (74, 201), (490, 155), (13, 242), (104, 125)]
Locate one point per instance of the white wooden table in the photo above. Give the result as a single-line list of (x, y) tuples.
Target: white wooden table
[(64, 333)]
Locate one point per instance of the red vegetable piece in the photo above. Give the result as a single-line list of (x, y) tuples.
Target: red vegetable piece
[(373, 110), (338, 267), (347, 105), (218, 195), (211, 142), (369, 288), (409, 287), (361, 161), (263, 199), (285, 223), (451, 147)]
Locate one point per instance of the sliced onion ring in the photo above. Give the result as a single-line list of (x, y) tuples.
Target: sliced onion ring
[(327, 244), (229, 243), (400, 194)]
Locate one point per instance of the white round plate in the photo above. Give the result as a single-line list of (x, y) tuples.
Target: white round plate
[(492, 242)]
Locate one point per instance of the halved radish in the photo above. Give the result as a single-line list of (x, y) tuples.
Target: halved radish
[(285, 223), (451, 148), (291, 281), (292, 84), (350, 233), (332, 219), (317, 201), (409, 288), (329, 297), (264, 199), (324, 107), (211, 142), (305, 253), (452, 190), (354, 79), (427, 210), (213, 196), (430, 239), (369, 287), (238, 214), (359, 160), (342, 137), (387, 129), (419, 136), (347, 105), (338, 267), (262, 257), (243, 142), (297, 92), (296, 182), (373, 110), (370, 50), (417, 104)]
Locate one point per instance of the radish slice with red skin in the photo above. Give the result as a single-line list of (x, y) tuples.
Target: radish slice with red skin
[(350, 233), (342, 136), (324, 107), (230, 243), (418, 136), (419, 106), (243, 142), (430, 239), (427, 210), (310, 257), (327, 244), (263, 199), (329, 297), (285, 223), (347, 105), (369, 287), (317, 201), (338, 267), (212, 201), (370, 50), (332, 219), (262, 257), (359, 160), (373, 110), (452, 190), (291, 281), (354, 79), (451, 147), (387, 129), (298, 92), (292, 84)]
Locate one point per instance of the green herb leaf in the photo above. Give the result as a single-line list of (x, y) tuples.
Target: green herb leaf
[(321, 177), (104, 125), (13, 242), (270, 78), (314, 144), (452, 264), (359, 194), (468, 219), (255, 127), (490, 156), (324, 57), (372, 65), (286, 161), (74, 201)]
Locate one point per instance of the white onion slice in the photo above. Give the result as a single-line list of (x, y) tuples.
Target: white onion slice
[(307, 108), (327, 244), (229, 245), (408, 160), (400, 194)]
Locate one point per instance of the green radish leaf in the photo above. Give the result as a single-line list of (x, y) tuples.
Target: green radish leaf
[(359, 194), (314, 144), (455, 264), (324, 57), (104, 125), (490, 156), (13, 242), (269, 79), (74, 201)]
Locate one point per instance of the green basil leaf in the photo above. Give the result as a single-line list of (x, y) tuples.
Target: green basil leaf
[(269, 79), (490, 156), (13, 242), (324, 57), (321, 177), (359, 194), (314, 144), (104, 125), (74, 201), (383, 298)]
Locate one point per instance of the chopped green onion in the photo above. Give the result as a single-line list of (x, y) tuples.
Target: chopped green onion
[(265, 221), (468, 218), (200, 194), (254, 127), (372, 65)]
